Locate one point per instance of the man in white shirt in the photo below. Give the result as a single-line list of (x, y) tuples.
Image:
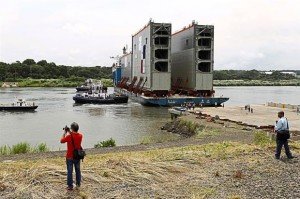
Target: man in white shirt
[(282, 136)]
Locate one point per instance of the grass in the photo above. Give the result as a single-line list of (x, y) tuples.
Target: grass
[(159, 138), (106, 143), (201, 192), (262, 139), (23, 147), (42, 147), (204, 132), (179, 172), (192, 126)]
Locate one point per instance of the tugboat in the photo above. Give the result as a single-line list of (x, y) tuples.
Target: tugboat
[(90, 86), (19, 105), (100, 99)]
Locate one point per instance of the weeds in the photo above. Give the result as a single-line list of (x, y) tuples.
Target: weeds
[(42, 147), (192, 126), (23, 147), (159, 138), (5, 150), (261, 138), (106, 143), (204, 133)]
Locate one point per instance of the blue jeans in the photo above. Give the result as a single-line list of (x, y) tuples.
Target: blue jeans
[(70, 163)]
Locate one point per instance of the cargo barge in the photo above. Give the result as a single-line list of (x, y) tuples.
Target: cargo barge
[(164, 69), (170, 101)]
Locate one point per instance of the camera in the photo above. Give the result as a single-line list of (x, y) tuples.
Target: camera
[(66, 128)]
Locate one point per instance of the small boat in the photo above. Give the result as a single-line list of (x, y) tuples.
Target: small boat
[(83, 88), (91, 86), (19, 105), (100, 99), (178, 110)]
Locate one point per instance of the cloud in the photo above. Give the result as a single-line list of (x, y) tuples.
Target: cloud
[(260, 34)]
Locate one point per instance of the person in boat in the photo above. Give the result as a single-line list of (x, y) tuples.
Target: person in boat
[(73, 138), (282, 136)]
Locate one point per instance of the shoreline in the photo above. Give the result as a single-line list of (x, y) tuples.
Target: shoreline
[(220, 160), (50, 83), (27, 83)]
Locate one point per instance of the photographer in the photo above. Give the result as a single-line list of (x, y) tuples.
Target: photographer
[(73, 139), (282, 136)]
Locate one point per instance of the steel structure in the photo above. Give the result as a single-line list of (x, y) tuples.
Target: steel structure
[(125, 64), (151, 55), (192, 58)]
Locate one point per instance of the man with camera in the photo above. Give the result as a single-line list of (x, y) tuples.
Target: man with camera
[(282, 136), (73, 139)]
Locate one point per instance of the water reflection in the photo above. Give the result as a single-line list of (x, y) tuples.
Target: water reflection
[(96, 111)]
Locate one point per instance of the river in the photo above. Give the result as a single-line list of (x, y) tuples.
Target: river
[(127, 124)]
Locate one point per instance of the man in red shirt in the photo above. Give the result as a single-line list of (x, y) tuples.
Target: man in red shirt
[(73, 139)]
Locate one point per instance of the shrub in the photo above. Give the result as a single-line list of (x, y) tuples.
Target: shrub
[(22, 147), (5, 150), (261, 138), (107, 82), (42, 148), (106, 143)]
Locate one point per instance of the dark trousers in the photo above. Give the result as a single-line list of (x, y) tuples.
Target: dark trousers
[(281, 143), (70, 164)]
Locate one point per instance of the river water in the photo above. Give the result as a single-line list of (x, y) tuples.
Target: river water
[(127, 124)]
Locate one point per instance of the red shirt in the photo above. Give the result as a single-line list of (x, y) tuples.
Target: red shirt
[(77, 138)]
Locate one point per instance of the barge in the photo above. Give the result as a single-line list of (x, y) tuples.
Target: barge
[(165, 69), (19, 105), (170, 101)]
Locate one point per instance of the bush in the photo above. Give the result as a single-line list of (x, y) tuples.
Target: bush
[(261, 138), (42, 148), (106, 143), (22, 147), (107, 82), (5, 150)]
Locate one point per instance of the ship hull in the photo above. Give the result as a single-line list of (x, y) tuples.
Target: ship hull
[(95, 100), (173, 101), (18, 108)]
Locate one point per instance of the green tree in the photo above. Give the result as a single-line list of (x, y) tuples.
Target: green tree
[(28, 62)]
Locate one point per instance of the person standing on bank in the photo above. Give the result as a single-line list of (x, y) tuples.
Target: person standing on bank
[(282, 136), (73, 139)]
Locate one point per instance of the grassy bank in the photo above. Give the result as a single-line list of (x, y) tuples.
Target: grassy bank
[(22, 148), (64, 82), (220, 170), (293, 82)]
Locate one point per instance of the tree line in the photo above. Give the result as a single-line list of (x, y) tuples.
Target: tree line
[(49, 70), (250, 75)]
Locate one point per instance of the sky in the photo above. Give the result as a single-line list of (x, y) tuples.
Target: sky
[(249, 34)]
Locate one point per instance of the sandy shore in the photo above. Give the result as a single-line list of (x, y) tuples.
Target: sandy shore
[(261, 116)]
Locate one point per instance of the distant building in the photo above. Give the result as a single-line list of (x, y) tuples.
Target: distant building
[(290, 73), (282, 72), (267, 72)]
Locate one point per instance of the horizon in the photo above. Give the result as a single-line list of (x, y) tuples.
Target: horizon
[(76, 34)]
